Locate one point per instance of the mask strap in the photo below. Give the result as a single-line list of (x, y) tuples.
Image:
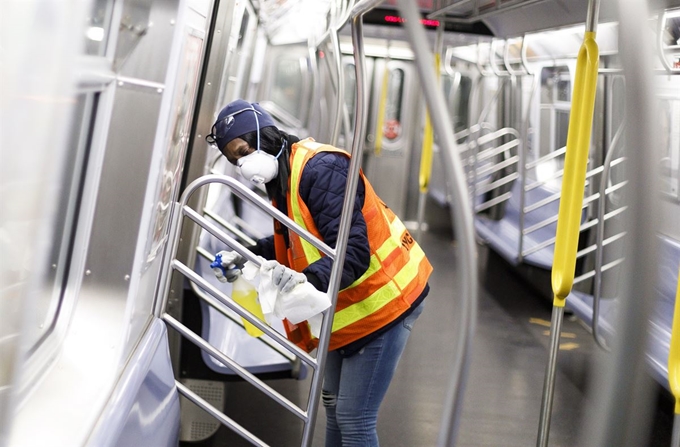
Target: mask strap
[(257, 124), (283, 144)]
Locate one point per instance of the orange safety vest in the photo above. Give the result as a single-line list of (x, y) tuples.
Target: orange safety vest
[(396, 276)]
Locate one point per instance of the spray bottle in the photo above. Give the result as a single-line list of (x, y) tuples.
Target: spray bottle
[(246, 296)]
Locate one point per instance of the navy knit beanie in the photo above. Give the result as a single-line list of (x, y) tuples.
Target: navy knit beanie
[(237, 119)]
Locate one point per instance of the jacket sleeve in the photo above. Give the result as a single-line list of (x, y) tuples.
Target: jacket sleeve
[(322, 188), (264, 248)]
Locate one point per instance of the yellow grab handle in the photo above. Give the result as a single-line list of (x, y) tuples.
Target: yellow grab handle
[(674, 352), (575, 164), (428, 143), (381, 112)]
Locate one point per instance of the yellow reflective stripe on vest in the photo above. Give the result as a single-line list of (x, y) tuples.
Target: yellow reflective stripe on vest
[(382, 296), (312, 254)]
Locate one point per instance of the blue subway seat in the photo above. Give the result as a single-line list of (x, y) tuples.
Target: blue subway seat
[(503, 235), (661, 320)]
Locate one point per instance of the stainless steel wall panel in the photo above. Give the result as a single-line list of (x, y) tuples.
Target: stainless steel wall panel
[(148, 59), (172, 137), (134, 25), (121, 189)]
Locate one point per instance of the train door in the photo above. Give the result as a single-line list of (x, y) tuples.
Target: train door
[(393, 120), (349, 75)]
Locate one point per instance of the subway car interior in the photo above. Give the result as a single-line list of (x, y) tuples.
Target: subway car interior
[(531, 148)]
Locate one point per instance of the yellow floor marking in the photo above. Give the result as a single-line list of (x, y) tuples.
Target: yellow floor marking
[(539, 321), (568, 346), (564, 334)]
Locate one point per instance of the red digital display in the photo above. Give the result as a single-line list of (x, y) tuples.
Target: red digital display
[(397, 19)]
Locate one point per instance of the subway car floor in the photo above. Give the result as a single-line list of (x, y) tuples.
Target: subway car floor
[(504, 387)]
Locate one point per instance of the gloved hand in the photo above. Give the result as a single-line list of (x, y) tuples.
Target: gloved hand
[(284, 279), (227, 265)]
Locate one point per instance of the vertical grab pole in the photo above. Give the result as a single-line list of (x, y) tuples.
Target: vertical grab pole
[(571, 201), (623, 402), (674, 366), (465, 316), (340, 88), (428, 138), (348, 204), (340, 18)]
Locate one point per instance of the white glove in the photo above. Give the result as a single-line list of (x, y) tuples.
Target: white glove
[(231, 264), (283, 278)]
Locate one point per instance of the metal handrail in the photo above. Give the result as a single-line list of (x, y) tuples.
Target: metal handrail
[(547, 157), (493, 202), (498, 183), (217, 294), (524, 137), (483, 71), (217, 218), (553, 219), (599, 255), (219, 307), (465, 317), (495, 167), (313, 66), (474, 146), (523, 55), (180, 211), (425, 172), (493, 151), (492, 60), (488, 168), (234, 366), (606, 267), (508, 65), (340, 90)]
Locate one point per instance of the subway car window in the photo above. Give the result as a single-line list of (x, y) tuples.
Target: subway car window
[(462, 110), (554, 118), (395, 91), (288, 85), (671, 35), (72, 175), (670, 146), (458, 100)]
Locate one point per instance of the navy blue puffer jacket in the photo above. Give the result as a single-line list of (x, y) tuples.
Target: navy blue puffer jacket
[(322, 188)]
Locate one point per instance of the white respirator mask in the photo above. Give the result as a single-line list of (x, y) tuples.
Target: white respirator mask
[(259, 167)]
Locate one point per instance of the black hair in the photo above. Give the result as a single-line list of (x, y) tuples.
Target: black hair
[(271, 140)]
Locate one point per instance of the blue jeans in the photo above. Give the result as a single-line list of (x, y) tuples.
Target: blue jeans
[(354, 387)]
